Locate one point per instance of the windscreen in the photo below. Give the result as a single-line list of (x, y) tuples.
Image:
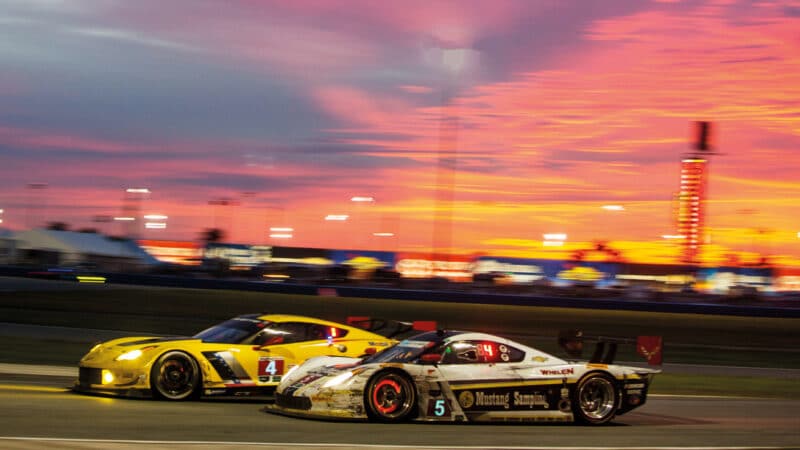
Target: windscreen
[(409, 350), (231, 331)]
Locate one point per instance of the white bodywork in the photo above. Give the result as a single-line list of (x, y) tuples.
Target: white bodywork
[(511, 382)]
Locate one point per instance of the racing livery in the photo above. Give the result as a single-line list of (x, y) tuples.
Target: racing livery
[(456, 376), (244, 355)]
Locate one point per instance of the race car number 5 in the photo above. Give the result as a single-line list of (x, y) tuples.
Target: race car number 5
[(269, 366), (439, 408)]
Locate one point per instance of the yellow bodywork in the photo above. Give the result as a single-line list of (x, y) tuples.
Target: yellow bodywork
[(124, 366)]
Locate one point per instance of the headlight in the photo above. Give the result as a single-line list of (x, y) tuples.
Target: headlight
[(133, 354), (129, 356), (338, 379)]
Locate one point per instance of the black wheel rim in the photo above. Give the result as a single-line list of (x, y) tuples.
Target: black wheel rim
[(176, 377)]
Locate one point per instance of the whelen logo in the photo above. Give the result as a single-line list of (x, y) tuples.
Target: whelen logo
[(567, 371)]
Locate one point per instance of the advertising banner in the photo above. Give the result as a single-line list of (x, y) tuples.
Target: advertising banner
[(720, 280), (426, 265), (363, 262), (787, 279), (176, 252), (301, 255), (560, 272), (239, 256)]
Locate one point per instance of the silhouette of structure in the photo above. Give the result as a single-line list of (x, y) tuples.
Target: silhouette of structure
[(692, 195)]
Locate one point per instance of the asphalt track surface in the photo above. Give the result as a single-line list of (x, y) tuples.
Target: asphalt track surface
[(39, 411)]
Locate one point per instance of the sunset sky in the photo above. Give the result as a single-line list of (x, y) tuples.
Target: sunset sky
[(526, 116)]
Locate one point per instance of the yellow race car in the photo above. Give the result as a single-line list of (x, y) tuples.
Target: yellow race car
[(248, 354)]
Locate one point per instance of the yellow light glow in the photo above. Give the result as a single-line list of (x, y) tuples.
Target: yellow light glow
[(108, 377), (130, 356), (90, 279)]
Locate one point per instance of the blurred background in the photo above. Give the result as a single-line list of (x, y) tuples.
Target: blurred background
[(508, 143)]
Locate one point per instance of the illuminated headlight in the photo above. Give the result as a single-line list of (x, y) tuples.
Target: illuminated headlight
[(338, 379), (129, 356), (108, 377), (133, 354)]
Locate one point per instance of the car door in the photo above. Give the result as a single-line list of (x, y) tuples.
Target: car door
[(282, 345), (481, 374), (269, 354)]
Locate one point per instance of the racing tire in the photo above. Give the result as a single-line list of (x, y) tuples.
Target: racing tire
[(595, 399), (175, 376), (390, 397)]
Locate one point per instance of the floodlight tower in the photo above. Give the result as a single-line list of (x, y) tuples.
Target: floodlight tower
[(693, 193)]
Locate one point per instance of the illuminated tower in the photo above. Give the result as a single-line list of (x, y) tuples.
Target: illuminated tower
[(692, 196)]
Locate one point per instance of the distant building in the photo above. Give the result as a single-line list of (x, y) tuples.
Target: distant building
[(7, 247), (68, 248)]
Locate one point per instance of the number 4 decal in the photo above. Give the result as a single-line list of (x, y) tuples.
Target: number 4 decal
[(270, 366), (439, 408)]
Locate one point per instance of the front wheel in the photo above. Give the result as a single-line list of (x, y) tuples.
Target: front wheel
[(390, 397), (595, 399), (175, 376)]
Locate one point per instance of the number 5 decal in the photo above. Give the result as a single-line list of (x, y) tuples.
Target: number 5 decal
[(439, 408)]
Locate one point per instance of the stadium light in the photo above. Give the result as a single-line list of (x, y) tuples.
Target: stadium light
[(338, 217)]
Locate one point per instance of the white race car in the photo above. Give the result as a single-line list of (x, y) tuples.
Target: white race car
[(456, 376)]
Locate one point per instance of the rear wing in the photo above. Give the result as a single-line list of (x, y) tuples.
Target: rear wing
[(390, 328), (605, 350)]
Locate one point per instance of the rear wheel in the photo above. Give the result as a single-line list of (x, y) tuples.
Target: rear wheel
[(595, 399), (390, 397), (175, 376)]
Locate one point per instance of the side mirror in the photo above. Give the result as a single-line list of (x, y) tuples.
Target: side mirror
[(430, 358)]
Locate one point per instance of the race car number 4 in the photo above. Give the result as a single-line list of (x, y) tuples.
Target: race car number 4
[(270, 366)]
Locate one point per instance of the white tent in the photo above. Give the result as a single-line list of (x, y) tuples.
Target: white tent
[(73, 248)]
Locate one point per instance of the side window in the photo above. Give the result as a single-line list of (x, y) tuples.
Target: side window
[(319, 332), (460, 353), (481, 352), (285, 333)]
